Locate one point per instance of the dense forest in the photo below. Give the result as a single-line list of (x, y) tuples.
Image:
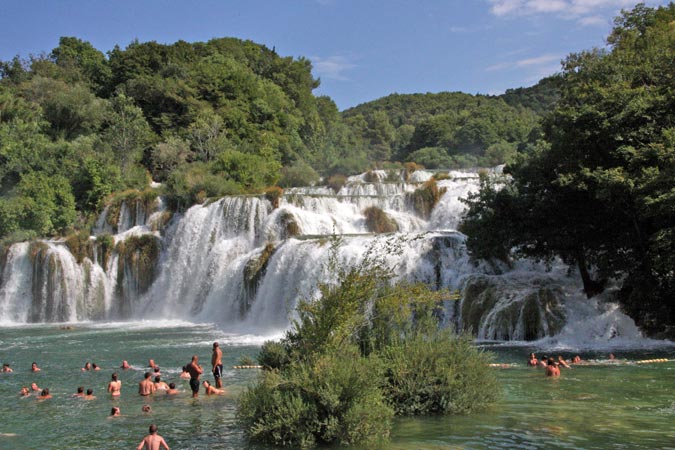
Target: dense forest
[(209, 119), (598, 190)]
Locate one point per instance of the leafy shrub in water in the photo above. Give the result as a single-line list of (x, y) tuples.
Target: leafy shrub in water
[(438, 374), (334, 399)]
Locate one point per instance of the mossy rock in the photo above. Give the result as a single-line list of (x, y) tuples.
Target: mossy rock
[(80, 246), (378, 221), (426, 198), (289, 225), (479, 296), (254, 271), (274, 194)]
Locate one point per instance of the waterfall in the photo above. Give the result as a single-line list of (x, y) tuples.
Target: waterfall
[(242, 263)]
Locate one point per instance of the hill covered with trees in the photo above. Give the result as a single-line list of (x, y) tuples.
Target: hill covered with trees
[(209, 119)]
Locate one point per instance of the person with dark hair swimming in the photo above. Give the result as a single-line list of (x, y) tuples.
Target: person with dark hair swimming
[(80, 392)]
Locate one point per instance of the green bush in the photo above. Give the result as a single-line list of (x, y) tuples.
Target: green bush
[(333, 400), (297, 175), (438, 374), (336, 182), (274, 355)]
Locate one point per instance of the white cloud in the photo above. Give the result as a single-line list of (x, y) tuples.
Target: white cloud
[(537, 64), (565, 8), (332, 67), (591, 21)]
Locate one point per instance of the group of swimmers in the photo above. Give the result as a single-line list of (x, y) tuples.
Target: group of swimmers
[(553, 366), (152, 383)]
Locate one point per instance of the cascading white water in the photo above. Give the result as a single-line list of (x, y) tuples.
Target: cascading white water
[(243, 264)]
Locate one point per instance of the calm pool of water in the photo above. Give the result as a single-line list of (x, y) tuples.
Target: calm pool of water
[(617, 405)]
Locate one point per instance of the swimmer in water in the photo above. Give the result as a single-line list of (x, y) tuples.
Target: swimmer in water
[(6, 368), (34, 367), (87, 366), (172, 389), (115, 411), (210, 390), (44, 395), (125, 365), (185, 374), (552, 368), (532, 362), (80, 392), (34, 387), (25, 392), (115, 386), (160, 385), (146, 387), (90, 395), (562, 362), (146, 409), (153, 441), (95, 367)]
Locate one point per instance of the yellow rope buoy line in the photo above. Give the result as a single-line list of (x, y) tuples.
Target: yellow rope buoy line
[(649, 361), (247, 367)]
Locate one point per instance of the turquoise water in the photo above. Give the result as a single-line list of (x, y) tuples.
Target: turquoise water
[(604, 405)]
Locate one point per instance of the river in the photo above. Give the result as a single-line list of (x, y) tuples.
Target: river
[(602, 405)]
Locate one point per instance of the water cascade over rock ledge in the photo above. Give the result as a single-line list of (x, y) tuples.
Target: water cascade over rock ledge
[(242, 261)]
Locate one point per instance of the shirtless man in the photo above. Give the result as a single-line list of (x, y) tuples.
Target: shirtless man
[(151, 364), (24, 392), (80, 392), (125, 365), (185, 374), (115, 411), (34, 387), (146, 387), (115, 386), (160, 385), (95, 367), (195, 370), (542, 362), (34, 368), (552, 368), (153, 441), (6, 368), (217, 364), (172, 389), (210, 390)]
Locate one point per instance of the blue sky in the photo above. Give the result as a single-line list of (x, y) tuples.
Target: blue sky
[(361, 49)]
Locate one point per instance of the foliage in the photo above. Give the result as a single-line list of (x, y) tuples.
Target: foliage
[(335, 400), (298, 174), (438, 374), (336, 182), (345, 366), (426, 198), (599, 193), (377, 221)]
